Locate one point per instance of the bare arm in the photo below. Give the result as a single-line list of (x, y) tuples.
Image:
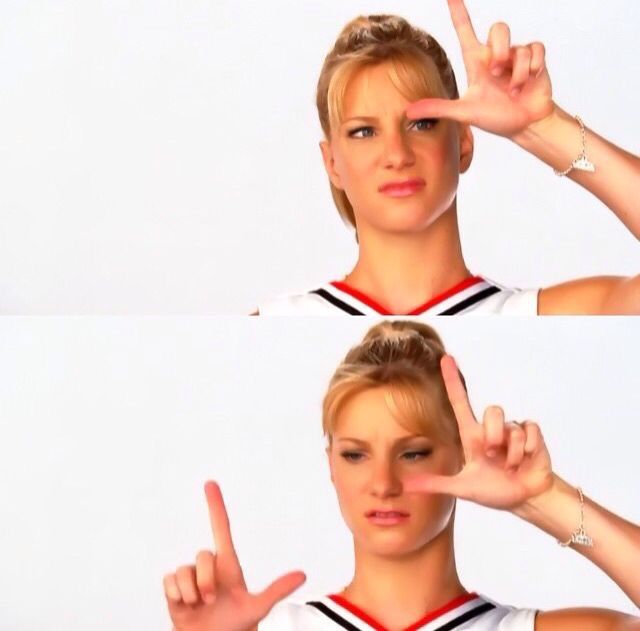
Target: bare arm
[(557, 141), (600, 295), (616, 542)]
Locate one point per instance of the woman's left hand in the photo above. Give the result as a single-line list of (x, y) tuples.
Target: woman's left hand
[(505, 465), (509, 87)]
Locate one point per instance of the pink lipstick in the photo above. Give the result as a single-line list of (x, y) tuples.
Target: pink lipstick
[(387, 518), (402, 189)]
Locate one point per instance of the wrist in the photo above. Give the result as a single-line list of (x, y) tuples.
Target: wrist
[(543, 502), (541, 128)]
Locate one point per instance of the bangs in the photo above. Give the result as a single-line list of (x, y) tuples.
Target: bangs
[(414, 75), (415, 404), (334, 401), (417, 407)]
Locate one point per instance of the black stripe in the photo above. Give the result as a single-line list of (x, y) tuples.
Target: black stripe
[(472, 613), (336, 301), (333, 615), (452, 624), (481, 295)]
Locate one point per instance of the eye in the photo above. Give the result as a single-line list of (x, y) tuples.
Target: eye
[(427, 123), (351, 456), (412, 456), (353, 132)]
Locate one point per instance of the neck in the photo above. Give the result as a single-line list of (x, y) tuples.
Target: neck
[(402, 271), (400, 591)]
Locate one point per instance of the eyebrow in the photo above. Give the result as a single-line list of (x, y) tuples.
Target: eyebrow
[(363, 118), (373, 119), (406, 439)]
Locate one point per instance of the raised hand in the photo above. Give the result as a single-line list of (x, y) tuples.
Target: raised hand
[(508, 86), (212, 594), (506, 464)]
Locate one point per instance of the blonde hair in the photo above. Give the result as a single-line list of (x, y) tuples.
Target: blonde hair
[(404, 357), (368, 41)]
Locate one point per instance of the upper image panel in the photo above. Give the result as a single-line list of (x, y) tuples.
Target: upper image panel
[(406, 157)]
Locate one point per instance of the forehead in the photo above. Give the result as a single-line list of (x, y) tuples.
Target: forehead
[(367, 415), (387, 88)]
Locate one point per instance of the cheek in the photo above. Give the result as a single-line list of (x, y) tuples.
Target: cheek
[(350, 497), (436, 513), (355, 170)]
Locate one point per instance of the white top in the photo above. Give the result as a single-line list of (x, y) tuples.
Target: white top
[(475, 295), (472, 612)]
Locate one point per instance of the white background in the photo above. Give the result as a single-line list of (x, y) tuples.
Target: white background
[(162, 156), (111, 426)]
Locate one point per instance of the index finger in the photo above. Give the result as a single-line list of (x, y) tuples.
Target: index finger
[(456, 392), (462, 23), (218, 518)]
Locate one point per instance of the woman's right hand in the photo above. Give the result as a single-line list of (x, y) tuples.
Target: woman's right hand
[(212, 594)]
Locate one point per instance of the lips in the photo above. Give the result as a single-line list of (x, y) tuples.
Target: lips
[(386, 519), (387, 513), (404, 186)]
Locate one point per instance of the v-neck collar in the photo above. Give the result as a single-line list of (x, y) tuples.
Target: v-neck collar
[(445, 618), (432, 302)]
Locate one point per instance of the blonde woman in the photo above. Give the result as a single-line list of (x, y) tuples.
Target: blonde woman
[(396, 139), (403, 445)]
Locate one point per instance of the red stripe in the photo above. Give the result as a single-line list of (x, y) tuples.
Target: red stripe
[(432, 615), (370, 302), (356, 611), (456, 602)]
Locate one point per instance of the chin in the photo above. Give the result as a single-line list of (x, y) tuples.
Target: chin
[(404, 221), (394, 546)]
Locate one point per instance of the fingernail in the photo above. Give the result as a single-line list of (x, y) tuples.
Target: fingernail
[(496, 71), (491, 453)]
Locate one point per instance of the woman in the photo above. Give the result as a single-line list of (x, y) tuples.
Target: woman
[(403, 444), (394, 165)]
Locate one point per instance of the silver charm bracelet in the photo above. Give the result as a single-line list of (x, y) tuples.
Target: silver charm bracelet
[(581, 163), (579, 535)]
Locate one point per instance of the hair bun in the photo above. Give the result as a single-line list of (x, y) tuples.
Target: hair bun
[(373, 29), (393, 330), (403, 341)]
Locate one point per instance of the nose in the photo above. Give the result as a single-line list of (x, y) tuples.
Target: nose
[(397, 150), (384, 480)]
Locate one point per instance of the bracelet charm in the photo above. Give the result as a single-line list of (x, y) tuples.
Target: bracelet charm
[(579, 535), (581, 163)]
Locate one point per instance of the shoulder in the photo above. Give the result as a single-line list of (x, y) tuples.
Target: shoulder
[(592, 296), (504, 618), (586, 619), (503, 300)]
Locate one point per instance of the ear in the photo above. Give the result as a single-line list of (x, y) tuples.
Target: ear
[(329, 163), (466, 147)]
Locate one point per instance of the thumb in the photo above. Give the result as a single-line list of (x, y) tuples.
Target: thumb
[(433, 483), (277, 591), (455, 109)]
